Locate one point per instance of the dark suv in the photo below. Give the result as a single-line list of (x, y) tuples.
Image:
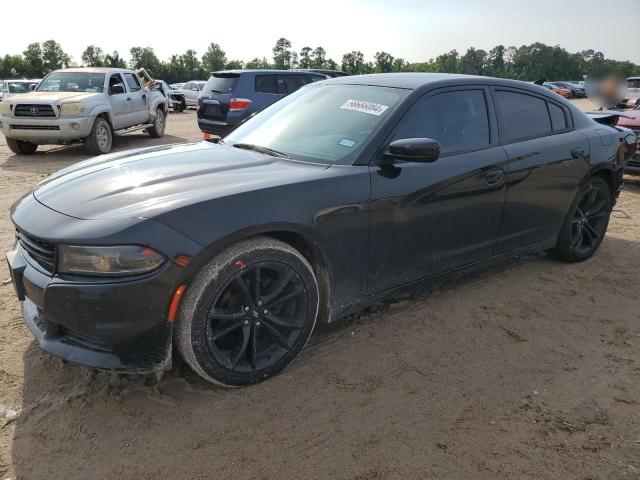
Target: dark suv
[(231, 96)]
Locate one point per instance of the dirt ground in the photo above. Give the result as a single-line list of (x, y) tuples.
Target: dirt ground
[(528, 370)]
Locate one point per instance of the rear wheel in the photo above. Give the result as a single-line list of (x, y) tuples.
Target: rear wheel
[(248, 313), (157, 130), (100, 140), (21, 147), (586, 223)]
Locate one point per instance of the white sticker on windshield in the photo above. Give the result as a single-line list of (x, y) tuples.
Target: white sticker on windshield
[(365, 107)]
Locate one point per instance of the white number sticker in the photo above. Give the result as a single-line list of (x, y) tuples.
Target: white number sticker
[(365, 107)]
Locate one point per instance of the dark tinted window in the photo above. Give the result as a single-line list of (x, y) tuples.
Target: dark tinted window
[(221, 84), (132, 81), (115, 80), (523, 116), (458, 120), (266, 84), (634, 83), (558, 117), (316, 78), (290, 83)]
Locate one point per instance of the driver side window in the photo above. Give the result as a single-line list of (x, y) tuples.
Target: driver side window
[(116, 85), (458, 120)]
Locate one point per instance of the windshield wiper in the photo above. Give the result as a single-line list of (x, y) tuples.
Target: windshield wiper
[(216, 91), (259, 149)]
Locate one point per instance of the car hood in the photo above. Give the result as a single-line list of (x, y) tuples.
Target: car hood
[(47, 97), (152, 181)]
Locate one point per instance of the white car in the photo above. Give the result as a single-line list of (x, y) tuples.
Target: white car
[(85, 105), (9, 88), (192, 91)]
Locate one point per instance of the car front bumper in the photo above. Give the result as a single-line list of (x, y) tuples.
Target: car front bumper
[(109, 323), (53, 130)]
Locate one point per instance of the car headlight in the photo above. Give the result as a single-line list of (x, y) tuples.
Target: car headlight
[(71, 109), (108, 261), (5, 108)]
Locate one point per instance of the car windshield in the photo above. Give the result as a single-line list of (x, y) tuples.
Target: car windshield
[(18, 87), (320, 123), (72, 82)]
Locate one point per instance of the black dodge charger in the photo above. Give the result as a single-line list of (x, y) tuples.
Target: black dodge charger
[(321, 204)]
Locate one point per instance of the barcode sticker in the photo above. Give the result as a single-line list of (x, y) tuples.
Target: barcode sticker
[(365, 107)]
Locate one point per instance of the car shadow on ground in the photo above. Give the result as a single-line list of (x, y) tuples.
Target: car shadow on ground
[(410, 387), (64, 155)]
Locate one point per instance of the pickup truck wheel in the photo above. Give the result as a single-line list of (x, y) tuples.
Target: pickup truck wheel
[(158, 125), (100, 140), (21, 147)]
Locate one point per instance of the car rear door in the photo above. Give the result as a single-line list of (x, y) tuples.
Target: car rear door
[(547, 161), (427, 218), (137, 98)]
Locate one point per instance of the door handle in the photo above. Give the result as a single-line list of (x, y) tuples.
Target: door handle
[(128, 99), (494, 176), (577, 153)]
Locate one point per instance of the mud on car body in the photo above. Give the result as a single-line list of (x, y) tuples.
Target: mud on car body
[(326, 201)]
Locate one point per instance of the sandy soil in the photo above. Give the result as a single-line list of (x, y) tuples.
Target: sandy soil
[(527, 370)]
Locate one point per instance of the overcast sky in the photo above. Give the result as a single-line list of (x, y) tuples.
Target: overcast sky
[(413, 29)]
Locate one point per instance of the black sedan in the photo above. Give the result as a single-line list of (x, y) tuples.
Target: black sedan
[(328, 200)]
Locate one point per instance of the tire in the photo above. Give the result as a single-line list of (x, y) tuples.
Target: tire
[(586, 222), (157, 130), (235, 333), (100, 140), (21, 147)]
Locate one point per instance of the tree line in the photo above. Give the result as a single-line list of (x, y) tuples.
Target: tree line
[(527, 62)]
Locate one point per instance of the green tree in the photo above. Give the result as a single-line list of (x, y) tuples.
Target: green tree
[(473, 62), (234, 65), (192, 65), (145, 57), (496, 61), (282, 54), (13, 66), (53, 57), (319, 58), (33, 60), (93, 56), (258, 63), (399, 65), (353, 63), (305, 57), (384, 62), (114, 60), (214, 59), (446, 63)]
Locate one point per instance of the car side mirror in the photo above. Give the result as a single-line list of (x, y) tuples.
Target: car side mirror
[(116, 89), (414, 150)]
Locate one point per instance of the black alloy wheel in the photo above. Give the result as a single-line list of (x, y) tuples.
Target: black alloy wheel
[(586, 223), (248, 313)]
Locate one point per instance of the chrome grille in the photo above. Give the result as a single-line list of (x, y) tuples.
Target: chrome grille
[(32, 110), (43, 253)]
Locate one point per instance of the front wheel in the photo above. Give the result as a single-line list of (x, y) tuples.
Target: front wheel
[(21, 147), (586, 223), (248, 313), (157, 130), (100, 140)]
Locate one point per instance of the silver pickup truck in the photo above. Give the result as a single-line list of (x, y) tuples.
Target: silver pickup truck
[(82, 105)]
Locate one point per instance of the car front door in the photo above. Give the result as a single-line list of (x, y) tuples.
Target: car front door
[(547, 161), (427, 218), (137, 98), (118, 100), (191, 93)]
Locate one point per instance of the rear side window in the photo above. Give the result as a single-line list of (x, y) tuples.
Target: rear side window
[(290, 83), (266, 84), (132, 81), (522, 116), (221, 84), (558, 117), (457, 120)]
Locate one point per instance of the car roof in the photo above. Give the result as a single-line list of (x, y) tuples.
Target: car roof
[(264, 70), (92, 69), (415, 80)]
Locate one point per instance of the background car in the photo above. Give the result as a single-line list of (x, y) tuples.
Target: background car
[(8, 88), (191, 91), (177, 86), (563, 92), (231, 96), (175, 96), (576, 90)]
